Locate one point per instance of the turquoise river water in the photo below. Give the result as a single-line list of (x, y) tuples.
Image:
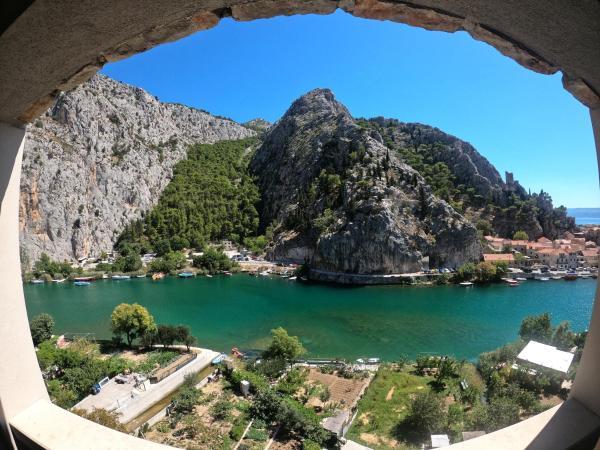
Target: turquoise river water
[(349, 322)]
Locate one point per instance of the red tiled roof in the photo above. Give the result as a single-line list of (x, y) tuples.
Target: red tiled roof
[(492, 257)]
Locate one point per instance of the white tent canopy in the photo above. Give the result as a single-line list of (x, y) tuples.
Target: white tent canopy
[(546, 356)]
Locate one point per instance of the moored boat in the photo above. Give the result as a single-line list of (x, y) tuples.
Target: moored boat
[(466, 283), (510, 281), (185, 274), (82, 283), (521, 279), (61, 280), (36, 281), (141, 276), (120, 277), (556, 277), (543, 279), (83, 279), (570, 276)]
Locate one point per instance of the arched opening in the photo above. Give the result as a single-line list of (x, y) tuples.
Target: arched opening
[(421, 16)]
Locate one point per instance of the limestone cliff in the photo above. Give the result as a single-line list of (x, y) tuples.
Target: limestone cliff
[(98, 159), (342, 201)]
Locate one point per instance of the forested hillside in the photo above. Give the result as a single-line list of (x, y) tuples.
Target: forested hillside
[(210, 197)]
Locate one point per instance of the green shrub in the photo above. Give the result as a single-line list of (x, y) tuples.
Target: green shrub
[(257, 435)]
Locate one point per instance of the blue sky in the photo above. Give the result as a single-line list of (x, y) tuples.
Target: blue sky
[(521, 121)]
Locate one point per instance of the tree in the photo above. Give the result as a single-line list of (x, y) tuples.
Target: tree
[(128, 263), (563, 337), (132, 320), (184, 336), (501, 412), (465, 272), (484, 226), (520, 236), (168, 263), (486, 272), (167, 335), (213, 261), (426, 414), (536, 328), (283, 346), (42, 327)]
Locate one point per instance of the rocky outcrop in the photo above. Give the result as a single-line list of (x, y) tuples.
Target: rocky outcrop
[(343, 202), (467, 164), (98, 159)]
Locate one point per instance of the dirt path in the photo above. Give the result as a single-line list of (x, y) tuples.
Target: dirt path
[(388, 397)]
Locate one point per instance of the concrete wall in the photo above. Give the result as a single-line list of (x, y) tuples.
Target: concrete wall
[(20, 379), (54, 46)]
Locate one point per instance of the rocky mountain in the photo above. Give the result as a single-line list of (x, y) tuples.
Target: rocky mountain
[(341, 200), (98, 159)]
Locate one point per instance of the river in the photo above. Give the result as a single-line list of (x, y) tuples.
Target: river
[(349, 322)]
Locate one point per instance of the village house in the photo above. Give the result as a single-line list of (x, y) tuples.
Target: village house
[(500, 257), (590, 257)]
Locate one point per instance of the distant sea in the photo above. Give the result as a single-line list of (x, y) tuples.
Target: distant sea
[(585, 216)]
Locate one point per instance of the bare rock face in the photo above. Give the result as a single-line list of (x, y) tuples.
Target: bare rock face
[(98, 159), (343, 202)]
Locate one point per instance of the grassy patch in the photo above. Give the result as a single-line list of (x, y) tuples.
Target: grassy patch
[(384, 405)]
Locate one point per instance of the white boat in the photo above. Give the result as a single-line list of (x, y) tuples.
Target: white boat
[(544, 279), (120, 277), (511, 282), (521, 279), (62, 280), (37, 281), (292, 278), (264, 274), (209, 275), (556, 278), (141, 276), (466, 283)]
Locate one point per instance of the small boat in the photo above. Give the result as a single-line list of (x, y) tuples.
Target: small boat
[(208, 275), (37, 281), (158, 276), (466, 284), (264, 274), (292, 278), (82, 283), (556, 278), (141, 276), (83, 279), (185, 274), (227, 273), (120, 277), (521, 279), (543, 279), (570, 276), (373, 361), (511, 282), (62, 280)]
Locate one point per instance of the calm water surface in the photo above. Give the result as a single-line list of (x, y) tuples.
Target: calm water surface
[(383, 321)]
